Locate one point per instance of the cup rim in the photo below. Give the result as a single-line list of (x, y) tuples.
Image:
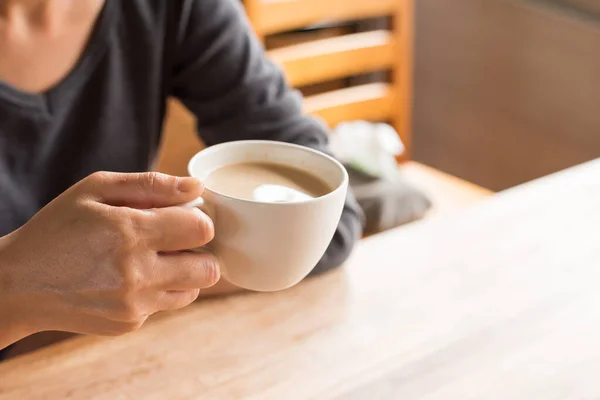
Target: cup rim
[(343, 183)]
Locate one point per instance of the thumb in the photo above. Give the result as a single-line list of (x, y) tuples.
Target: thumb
[(141, 190)]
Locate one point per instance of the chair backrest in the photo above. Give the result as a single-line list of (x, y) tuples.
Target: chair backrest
[(343, 56)]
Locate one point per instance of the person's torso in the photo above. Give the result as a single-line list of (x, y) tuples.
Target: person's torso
[(106, 114)]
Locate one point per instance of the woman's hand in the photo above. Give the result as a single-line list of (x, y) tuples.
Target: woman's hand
[(105, 255)]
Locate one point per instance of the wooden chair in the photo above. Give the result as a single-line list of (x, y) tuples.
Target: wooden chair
[(354, 54), (324, 60), (344, 56)]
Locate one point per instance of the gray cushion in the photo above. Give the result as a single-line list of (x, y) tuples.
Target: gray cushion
[(387, 203)]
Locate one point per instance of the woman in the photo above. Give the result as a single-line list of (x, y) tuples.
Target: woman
[(83, 85)]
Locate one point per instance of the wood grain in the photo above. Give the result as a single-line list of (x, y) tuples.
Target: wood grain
[(500, 301)]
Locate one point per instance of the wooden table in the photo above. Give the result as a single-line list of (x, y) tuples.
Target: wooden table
[(501, 301)]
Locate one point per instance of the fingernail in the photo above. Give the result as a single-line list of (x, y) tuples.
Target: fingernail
[(188, 185)]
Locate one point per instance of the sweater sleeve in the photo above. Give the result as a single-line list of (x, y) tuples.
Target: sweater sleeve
[(221, 73)]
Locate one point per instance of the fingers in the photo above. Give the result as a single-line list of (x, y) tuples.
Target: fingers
[(177, 299), (174, 228), (142, 190), (187, 271)]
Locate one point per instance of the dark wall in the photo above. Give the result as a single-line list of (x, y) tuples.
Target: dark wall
[(505, 90)]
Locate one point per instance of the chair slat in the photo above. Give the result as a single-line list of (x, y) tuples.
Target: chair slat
[(371, 102), (337, 57), (273, 16)]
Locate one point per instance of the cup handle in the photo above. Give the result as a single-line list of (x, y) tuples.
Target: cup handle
[(205, 208)]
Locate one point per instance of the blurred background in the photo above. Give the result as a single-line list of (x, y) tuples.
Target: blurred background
[(484, 95), (506, 90)]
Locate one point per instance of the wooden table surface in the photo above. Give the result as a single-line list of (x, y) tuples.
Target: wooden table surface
[(500, 301)]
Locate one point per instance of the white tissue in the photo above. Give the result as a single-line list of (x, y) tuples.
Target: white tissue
[(368, 147)]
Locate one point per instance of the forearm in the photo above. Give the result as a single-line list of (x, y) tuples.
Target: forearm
[(12, 320)]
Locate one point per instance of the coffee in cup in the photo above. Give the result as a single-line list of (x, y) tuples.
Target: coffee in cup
[(267, 182), (275, 207)]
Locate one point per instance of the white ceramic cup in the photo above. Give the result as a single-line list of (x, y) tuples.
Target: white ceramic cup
[(270, 246)]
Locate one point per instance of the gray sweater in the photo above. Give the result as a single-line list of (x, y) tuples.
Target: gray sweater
[(108, 112)]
